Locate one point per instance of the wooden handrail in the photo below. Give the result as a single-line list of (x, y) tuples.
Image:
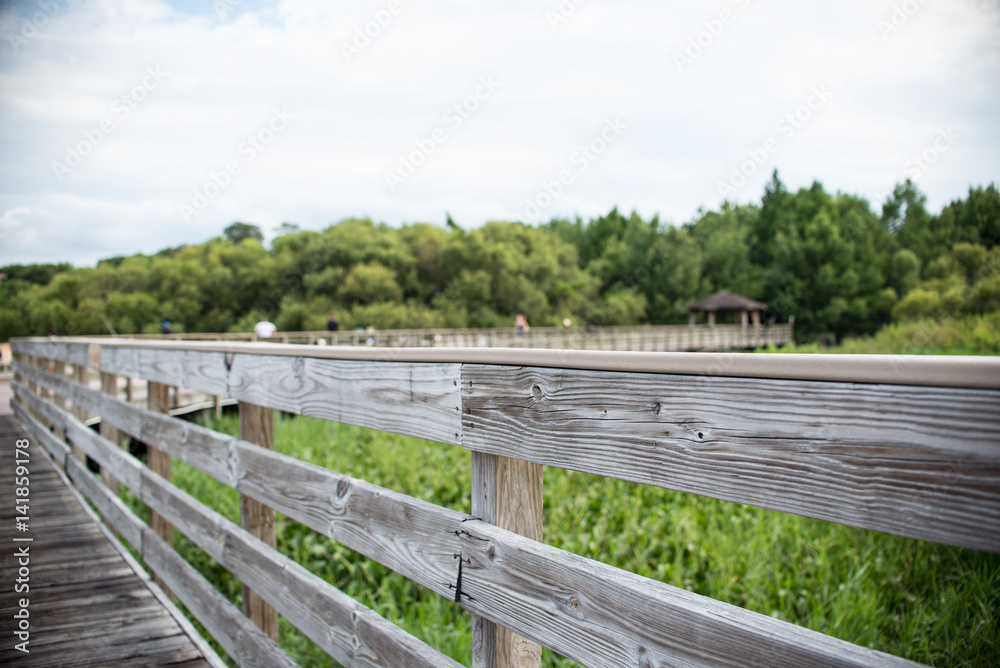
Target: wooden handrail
[(839, 439)]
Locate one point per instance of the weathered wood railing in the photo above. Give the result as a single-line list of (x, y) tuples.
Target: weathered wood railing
[(906, 445), (649, 338)]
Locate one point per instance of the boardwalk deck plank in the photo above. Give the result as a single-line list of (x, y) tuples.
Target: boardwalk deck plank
[(75, 568)]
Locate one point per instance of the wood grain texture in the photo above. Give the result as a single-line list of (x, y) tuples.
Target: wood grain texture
[(257, 426), (410, 536), (420, 400), (405, 534), (88, 606), (507, 493), (915, 461), (202, 371), (71, 353), (114, 513), (351, 633), (518, 509), (602, 616), (408, 398), (55, 447), (243, 641), (109, 386), (158, 398), (59, 369), (484, 506), (359, 636)]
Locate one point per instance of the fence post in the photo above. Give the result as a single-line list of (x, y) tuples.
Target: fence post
[(159, 463), (109, 386), (508, 493), (80, 376), (257, 426)]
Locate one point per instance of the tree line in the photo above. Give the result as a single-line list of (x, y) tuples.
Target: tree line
[(826, 259)]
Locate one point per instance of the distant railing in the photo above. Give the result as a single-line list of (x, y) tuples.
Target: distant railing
[(905, 445), (646, 338)]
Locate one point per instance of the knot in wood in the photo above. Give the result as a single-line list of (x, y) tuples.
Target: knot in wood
[(536, 391), (574, 602), (343, 487), (656, 409)]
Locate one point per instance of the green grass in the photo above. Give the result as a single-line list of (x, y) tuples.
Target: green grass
[(925, 602), (970, 335)]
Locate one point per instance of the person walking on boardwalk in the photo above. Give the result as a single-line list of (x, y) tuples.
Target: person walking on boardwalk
[(264, 329), (521, 326)]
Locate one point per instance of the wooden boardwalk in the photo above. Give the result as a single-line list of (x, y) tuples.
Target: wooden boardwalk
[(87, 606)]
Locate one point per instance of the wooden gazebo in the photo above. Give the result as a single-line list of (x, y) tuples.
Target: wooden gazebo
[(744, 310)]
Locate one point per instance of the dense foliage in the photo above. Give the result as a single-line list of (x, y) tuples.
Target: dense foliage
[(826, 259)]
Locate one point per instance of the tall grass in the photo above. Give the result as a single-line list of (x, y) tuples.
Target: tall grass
[(929, 603)]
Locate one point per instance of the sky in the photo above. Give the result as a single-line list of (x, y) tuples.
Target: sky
[(130, 126)]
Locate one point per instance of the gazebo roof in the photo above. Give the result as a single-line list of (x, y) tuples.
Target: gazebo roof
[(724, 300)]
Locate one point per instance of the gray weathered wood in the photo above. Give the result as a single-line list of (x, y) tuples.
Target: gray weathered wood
[(402, 397), (348, 631), (916, 461), (599, 615), (53, 445), (243, 641), (507, 493), (159, 461), (202, 371), (72, 353), (420, 400), (484, 489), (410, 536), (257, 426), (112, 510), (109, 386)]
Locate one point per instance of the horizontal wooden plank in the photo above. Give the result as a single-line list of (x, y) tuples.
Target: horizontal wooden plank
[(410, 536), (599, 615), (62, 386), (243, 641), (53, 445), (420, 400), (60, 351), (202, 371), (915, 461), (405, 534), (928, 370), (347, 630), (115, 513)]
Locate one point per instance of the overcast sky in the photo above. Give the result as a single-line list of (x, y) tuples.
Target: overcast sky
[(132, 125)]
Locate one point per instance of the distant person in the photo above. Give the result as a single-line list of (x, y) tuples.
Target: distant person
[(521, 325), (165, 327), (264, 329), (331, 324)]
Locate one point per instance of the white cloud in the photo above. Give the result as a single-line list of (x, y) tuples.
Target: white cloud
[(354, 120)]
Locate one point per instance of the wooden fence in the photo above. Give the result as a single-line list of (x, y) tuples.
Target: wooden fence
[(648, 338), (906, 445)]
